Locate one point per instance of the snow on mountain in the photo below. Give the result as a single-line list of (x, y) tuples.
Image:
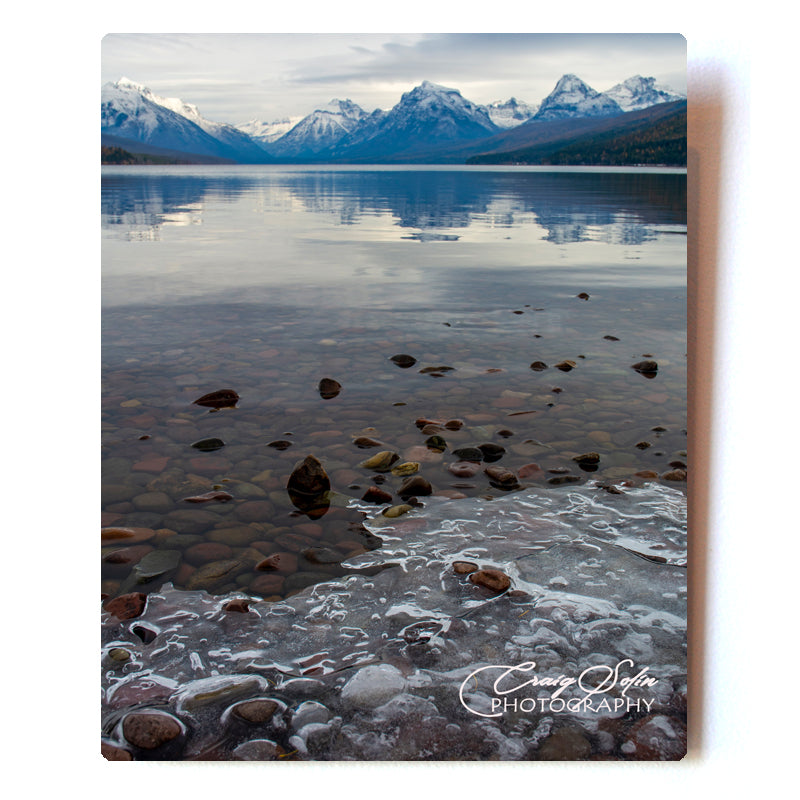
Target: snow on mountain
[(510, 113), (320, 130), (573, 98), (637, 93), (264, 133), (427, 116), (131, 110)]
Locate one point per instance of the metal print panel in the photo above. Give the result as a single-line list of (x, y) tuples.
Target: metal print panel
[(394, 436)]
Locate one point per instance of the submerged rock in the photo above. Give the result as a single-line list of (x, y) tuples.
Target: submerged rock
[(224, 398), (208, 445), (565, 366), (415, 486), (372, 686), (329, 388), (403, 360), (208, 497), (126, 606), (381, 462), (493, 579), (647, 368)]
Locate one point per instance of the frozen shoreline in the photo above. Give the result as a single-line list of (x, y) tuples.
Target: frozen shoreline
[(384, 667)]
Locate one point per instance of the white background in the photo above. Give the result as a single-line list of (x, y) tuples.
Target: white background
[(744, 293)]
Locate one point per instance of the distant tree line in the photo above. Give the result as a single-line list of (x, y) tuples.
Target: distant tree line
[(116, 155)]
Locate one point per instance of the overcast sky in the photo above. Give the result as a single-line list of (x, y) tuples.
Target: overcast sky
[(237, 77)]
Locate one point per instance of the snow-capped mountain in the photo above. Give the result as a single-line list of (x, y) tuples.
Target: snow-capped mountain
[(510, 113), (132, 111), (264, 133), (426, 117), (637, 93), (573, 98), (320, 130)]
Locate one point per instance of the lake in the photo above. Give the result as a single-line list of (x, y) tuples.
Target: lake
[(508, 346)]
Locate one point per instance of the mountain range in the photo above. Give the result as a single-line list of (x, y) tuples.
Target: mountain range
[(430, 124)]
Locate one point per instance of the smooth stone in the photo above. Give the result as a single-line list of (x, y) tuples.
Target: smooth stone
[(126, 606), (283, 563), (561, 480), (381, 462), (208, 497), (538, 366), (127, 555), (157, 502), (647, 368), (223, 398), (220, 688), (267, 585), (257, 711), (397, 511), (403, 360), (464, 567), (309, 478), (150, 730), (376, 496), (259, 749), (565, 366), (436, 443), (112, 752), (280, 444), (463, 469), (155, 564), (415, 486), (207, 552), (674, 475), (366, 442), (372, 686), (126, 535), (500, 476), (214, 574), (329, 388), (491, 451), (193, 520), (406, 468), (468, 454), (530, 471), (208, 445), (492, 579), (587, 458), (309, 712)]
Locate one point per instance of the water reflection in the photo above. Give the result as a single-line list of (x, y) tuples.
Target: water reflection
[(625, 208)]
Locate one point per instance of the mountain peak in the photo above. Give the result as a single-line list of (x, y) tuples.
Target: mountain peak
[(572, 97)]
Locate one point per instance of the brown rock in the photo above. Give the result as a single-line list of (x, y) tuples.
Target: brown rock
[(267, 585), (283, 563), (224, 398), (365, 442), (403, 360), (381, 462), (377, 496), (128, 555), (464, 567), (500, 476), (674, 475), (112, 752), (126, 606), (492, 579), (530, 471), (309, 478), (538, 366), (463, 469), (125, 535), (206, 552), (150, 730), (589, 459), (208, 497), (415, 486), (329, 388), (256, 711), (239, 606), (646, 368), (565, 366)]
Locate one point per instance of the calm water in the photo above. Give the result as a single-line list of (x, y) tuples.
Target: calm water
[(266, 281)]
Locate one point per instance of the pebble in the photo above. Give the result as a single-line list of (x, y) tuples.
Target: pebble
[(406, 468), (223, 398), (529, 471), (150, 730), (309, 478), (463, 469), (376, 496), (415, 486), (674, 475), (329, 388), (403, 360), (239, 606), (372, 686), (397, 511), (590, 459), (207, 552), (259, 749), (469, 454), (280, 444), (646, 368), (112, 752), (493, 579), (284, 563), (365, 442), (538, 366), (380, 462), (257, 711), (464, 567), (126, 606), (208, 445), (491, 451), (220, 497), (565, 366), (501, 477)]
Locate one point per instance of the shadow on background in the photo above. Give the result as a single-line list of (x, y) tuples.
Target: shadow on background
[(705, 124)]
